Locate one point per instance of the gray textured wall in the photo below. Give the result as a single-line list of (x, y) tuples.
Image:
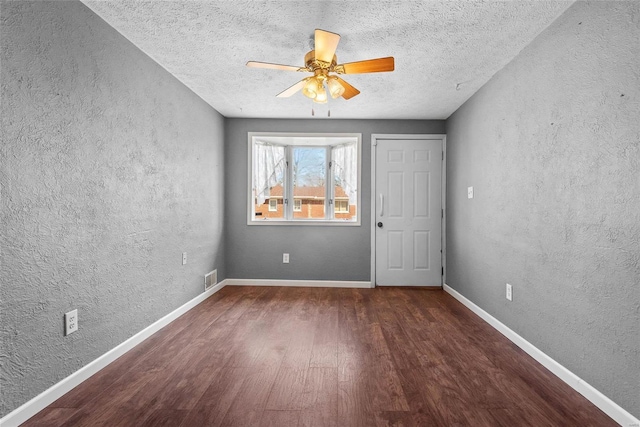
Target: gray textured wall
[(111, 168), (552, 147), (316, 252)]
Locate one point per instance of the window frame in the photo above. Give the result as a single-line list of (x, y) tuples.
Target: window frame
[(294, 205), (275, 209), (289, 219)]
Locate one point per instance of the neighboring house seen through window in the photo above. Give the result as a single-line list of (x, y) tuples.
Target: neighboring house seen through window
[(304, 178)]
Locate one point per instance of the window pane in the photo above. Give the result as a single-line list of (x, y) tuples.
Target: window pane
[(268, 180), (309, 166), (345, 177)]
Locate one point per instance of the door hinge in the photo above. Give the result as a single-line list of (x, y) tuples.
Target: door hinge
[(443, 271), (442, 213), (443, 155)]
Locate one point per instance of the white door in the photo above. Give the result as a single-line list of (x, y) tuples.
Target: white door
[(408, 219)]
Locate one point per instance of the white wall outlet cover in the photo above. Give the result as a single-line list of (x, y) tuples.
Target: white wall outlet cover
[(509, 294), (184, 258), (470, 192), (285, 258), (71, 322)]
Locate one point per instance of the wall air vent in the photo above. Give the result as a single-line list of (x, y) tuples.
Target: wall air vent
[(210, 280)]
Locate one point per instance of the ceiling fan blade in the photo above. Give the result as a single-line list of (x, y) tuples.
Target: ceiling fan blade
[(255, 64), (293, 89), (325, 45), (369, 66), (349, 91)]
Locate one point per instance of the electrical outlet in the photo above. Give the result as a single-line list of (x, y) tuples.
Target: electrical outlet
[(71, 322), (285, 258), (184, 258), (509, 292), (470, 192)]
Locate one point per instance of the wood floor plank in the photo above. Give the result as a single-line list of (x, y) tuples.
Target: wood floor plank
[(244, 344), (287, 390), (324, 357), (164, 418), (324, 353), (129, 391), (300, 347), (251, 399), (305, 306), (320, 398), (184, 389), (421, 402), (355, 405), (404, 351), (385, 385), (271, 418), (217, 399), (479, 417), (277, 339), (53, 417), (111, 416), (325, 345)]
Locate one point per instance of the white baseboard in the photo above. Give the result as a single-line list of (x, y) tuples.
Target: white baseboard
[(606, 405), (297, 283), (53, 393)]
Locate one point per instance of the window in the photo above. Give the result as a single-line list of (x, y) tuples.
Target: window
[(342, 206), (304, 179)]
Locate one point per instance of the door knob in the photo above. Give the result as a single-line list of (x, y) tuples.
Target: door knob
[(380, 224)]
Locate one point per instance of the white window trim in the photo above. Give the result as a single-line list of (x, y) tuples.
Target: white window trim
[(289, 206), (294, 205)]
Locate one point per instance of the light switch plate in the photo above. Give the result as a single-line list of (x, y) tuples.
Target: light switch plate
[(470, 192)]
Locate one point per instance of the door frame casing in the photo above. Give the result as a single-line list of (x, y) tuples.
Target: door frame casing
[(374, 142)]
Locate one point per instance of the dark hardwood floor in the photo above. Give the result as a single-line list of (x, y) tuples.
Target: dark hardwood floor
[(268, 356)]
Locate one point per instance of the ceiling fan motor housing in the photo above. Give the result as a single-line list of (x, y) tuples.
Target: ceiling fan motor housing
[(314, 64)]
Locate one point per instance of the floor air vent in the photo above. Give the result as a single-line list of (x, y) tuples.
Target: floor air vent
[(210, 280)]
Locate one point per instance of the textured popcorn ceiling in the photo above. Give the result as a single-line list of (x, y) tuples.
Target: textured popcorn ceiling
[(444, 50)]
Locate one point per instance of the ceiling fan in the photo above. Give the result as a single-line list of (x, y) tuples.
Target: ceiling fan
[(322, 62)]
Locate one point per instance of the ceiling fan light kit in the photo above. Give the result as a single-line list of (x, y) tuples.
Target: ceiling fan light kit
[(335, 88), (322, 61)]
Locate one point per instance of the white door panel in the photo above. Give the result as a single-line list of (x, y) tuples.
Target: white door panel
[(408, 184)]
